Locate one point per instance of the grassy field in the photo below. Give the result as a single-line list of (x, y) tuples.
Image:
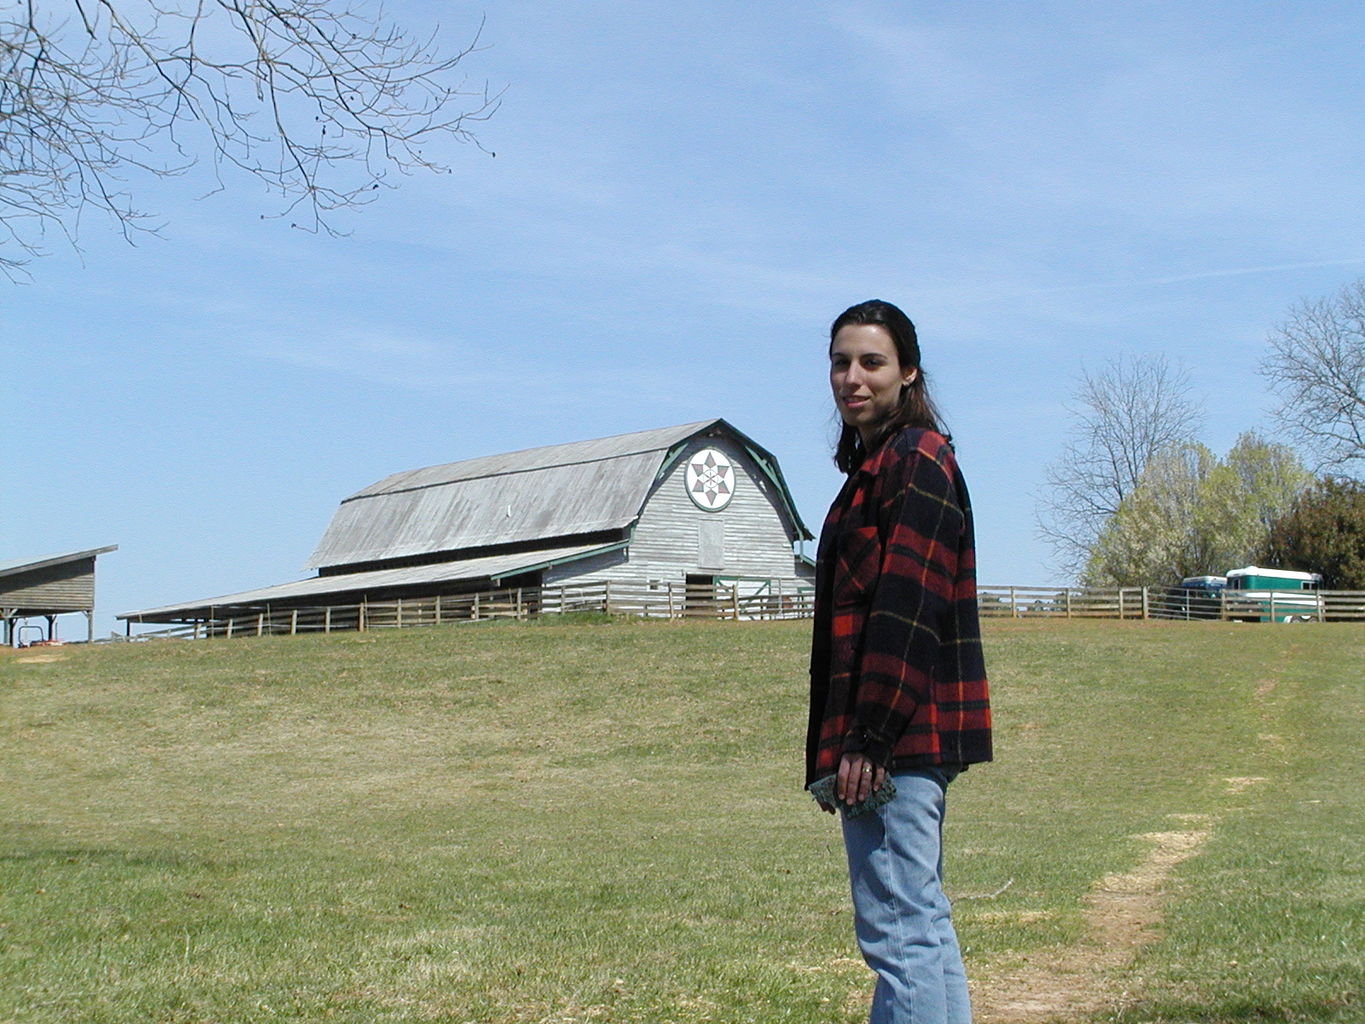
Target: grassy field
[(574, 823)]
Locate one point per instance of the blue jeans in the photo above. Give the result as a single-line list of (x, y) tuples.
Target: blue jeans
[(905, 931)]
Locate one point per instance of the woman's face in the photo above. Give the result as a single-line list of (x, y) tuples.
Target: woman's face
[(866, 377)]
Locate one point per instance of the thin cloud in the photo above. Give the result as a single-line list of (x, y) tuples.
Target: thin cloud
[(1205, 275)]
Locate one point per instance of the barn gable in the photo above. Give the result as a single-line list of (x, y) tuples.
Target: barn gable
[(750, 535)]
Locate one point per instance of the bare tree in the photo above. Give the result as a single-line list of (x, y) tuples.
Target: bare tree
[(318, 99), (1122, 415), (1316, 366)]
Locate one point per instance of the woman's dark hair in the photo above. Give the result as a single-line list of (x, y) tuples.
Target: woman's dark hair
[(916, 408)]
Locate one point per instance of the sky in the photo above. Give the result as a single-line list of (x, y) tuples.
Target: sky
[(683, 197)]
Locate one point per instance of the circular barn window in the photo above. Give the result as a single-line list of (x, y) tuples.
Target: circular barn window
[(710, 480)]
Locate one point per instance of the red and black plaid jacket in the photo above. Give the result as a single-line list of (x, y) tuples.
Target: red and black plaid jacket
[(896, 669)]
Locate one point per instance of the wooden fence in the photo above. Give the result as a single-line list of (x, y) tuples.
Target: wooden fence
[(763, 599), (744, 599), (1171, 603)]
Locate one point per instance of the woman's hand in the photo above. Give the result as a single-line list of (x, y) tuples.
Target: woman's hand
[(858, 779)]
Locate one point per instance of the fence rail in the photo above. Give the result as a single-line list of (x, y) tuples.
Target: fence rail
[(1171, 603), (1070, 603), (756, 599), (740, 599)]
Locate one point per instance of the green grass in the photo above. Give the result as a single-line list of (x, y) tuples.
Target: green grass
[(571, 823)]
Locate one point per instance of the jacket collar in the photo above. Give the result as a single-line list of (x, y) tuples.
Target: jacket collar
[(872, 465)]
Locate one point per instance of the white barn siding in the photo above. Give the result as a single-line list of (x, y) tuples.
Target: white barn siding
[(609, 565), (667, 540)]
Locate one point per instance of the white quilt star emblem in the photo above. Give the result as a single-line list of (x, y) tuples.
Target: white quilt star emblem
[(710, 480)]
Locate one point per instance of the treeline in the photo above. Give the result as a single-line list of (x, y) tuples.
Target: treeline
[(1137, 500), (1324, 530)]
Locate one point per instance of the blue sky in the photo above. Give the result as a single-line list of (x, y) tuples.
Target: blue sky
[(683, 197)]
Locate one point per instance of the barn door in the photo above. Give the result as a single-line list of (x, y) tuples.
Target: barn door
[(700, 597)]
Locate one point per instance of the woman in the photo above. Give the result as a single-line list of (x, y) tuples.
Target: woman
[(899, 701)]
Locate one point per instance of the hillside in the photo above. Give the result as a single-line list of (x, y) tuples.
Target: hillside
[(555, 823)]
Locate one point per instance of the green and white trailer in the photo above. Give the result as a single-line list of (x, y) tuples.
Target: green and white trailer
[(1272, 595)]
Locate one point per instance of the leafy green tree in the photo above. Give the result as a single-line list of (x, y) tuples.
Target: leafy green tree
[(1191, 514), (1147, 540), (1240, 500), (1323, 532)]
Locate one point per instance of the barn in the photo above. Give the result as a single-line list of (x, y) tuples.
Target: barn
[(47, 587), (685, 513)]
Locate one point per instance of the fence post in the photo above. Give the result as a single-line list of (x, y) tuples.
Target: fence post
[(606, 597), (1120, 603), (260, 623), (399, 613), (1014, 605), (1272, 606), (1146, 608), (1067, 592), (476, 606), (294, 622), (327, 619), (438, 609), (520, 611), (360, 617)]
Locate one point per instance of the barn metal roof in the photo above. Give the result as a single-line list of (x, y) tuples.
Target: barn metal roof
[(494, 568), (18, 565), (561, 491)]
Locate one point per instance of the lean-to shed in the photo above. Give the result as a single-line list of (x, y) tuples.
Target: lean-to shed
[(694, 503), (47, 587)]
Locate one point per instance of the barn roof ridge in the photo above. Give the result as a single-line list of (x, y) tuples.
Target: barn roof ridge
[(522, 460)]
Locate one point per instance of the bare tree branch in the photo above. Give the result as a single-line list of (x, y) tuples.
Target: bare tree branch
[(1122, 415), (1316, 366), (319, 99)]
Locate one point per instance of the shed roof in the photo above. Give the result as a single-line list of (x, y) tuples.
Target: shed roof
[(494, 568), (561, 491), (18, 565)]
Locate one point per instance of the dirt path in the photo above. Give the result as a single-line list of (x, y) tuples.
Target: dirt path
[(1122, 912), (1069, 984)]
